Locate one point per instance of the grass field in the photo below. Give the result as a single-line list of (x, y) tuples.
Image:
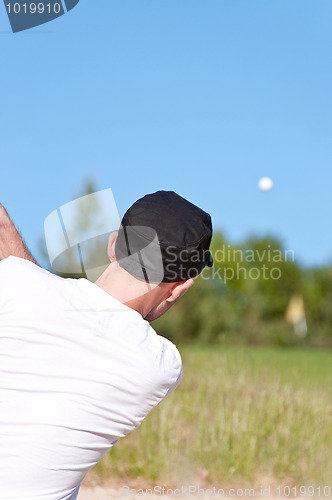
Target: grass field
[(239, 414)]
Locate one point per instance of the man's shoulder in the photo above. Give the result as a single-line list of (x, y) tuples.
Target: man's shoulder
[(16, 266), (165, 360), (24, 278), (18, 262)]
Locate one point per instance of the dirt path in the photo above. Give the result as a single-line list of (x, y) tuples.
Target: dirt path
[(265, 488), (102, 493), (106, 493)]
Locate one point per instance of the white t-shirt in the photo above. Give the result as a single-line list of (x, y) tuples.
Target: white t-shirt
[(78, 371)]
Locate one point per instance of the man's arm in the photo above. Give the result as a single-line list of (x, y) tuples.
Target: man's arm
[(11, 242)]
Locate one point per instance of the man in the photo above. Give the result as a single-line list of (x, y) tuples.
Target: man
[(80, 366)]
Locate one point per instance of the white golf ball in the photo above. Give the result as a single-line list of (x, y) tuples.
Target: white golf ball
[(265, 184)]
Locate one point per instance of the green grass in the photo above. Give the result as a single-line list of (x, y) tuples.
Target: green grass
[(239, 414)]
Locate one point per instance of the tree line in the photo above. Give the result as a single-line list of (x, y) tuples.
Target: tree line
[(255, 294)]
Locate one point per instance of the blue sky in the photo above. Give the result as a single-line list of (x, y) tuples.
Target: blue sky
[(200, 97)]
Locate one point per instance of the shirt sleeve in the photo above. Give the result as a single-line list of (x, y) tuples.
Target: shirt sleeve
[(176, 383), (172, 366), (4, 265)]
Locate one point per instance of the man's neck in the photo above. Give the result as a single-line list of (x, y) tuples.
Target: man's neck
[(135, 294)]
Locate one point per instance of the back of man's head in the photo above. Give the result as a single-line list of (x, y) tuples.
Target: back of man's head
[(164, 238)]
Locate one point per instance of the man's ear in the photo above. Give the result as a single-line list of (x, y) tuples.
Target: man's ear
[(111, 245), (179, 289)]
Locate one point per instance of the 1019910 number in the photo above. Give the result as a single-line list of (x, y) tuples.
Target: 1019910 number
[(33, 8)]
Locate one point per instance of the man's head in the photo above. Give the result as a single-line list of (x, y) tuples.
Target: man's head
[(164, 238), (162, 244)]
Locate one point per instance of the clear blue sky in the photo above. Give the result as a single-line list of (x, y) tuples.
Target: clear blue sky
[(198, 96)]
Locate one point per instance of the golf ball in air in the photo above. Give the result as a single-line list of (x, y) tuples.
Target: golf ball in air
[(265, 184)]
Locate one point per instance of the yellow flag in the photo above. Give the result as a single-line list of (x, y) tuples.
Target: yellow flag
[(295, 314)]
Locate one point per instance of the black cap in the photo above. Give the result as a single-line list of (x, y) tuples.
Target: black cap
[(164, 238)]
